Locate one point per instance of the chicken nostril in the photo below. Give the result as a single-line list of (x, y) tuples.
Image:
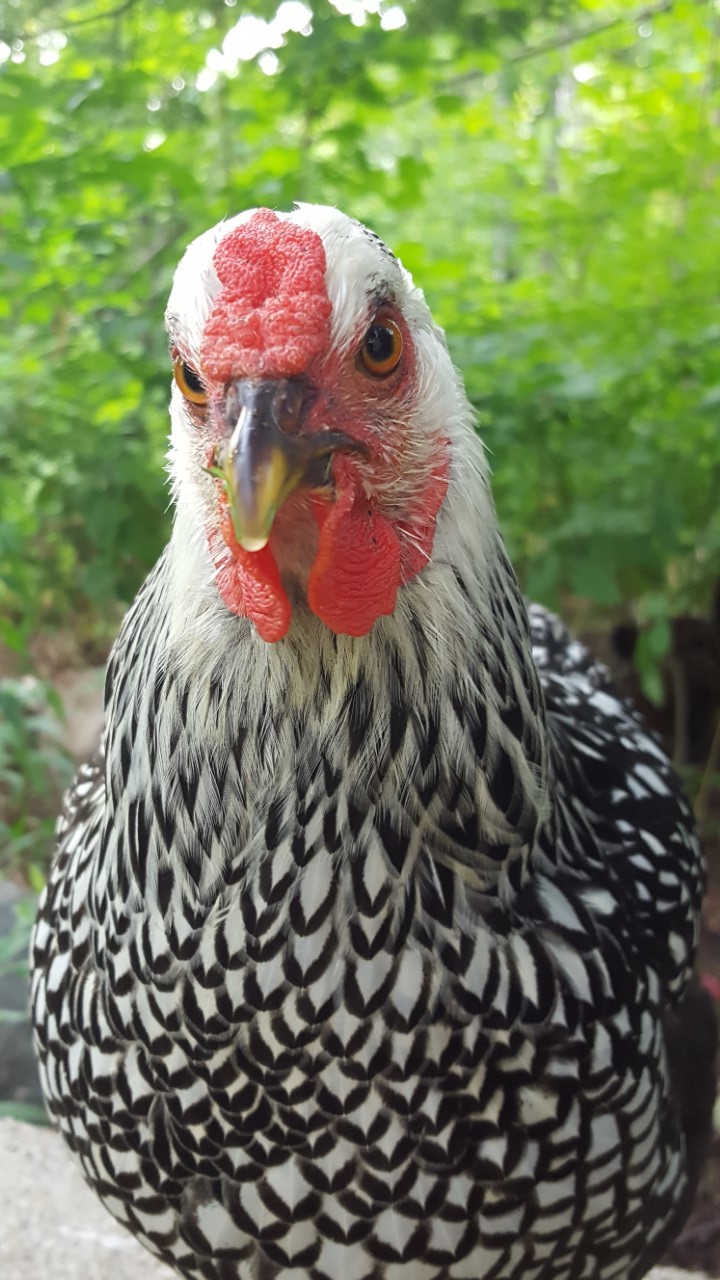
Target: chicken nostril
[(289, 404), (318, 474)]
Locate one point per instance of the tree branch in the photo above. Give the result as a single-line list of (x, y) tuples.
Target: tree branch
[(567, 38), (27, 37), (594, 29)]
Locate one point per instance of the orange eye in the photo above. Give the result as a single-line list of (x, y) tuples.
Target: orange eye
[(382, 348), (189, 382)]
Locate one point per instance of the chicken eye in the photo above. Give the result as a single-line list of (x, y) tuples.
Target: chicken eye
[(189, 382), (382, 348)]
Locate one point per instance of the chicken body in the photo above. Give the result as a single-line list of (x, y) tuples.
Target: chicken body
[(363, 955)]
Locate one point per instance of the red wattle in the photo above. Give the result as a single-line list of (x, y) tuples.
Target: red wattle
[(249, 582), (356, 573), (360, 563)]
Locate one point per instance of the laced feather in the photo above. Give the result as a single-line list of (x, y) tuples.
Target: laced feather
[(430, 893)]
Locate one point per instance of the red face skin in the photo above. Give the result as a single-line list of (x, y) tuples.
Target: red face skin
[(271, 319)]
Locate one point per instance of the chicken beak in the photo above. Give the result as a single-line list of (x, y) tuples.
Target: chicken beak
[(261, 467), (266, 457)]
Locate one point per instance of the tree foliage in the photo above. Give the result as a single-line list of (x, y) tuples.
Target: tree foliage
[(549, 172)]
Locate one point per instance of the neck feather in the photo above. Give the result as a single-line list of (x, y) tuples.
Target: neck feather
[(431, 727)]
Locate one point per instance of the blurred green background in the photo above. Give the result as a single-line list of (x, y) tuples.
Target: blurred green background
[(549, 171)]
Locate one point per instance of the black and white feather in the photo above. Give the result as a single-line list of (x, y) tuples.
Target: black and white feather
[(360, 958)]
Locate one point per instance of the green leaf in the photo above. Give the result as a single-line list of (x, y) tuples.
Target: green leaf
[(651, 649), (27, 1112), (556, 197)]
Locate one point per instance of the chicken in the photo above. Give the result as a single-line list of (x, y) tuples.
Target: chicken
[(367, 947)]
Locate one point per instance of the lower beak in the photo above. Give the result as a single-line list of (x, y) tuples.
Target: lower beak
[(267, 457)]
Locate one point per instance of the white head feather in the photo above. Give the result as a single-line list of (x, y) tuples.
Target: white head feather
[(359, 269)]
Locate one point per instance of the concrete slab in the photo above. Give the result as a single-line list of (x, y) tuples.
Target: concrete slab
[(52, 1227)]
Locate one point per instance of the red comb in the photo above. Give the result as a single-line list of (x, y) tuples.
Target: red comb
[(272, 314)]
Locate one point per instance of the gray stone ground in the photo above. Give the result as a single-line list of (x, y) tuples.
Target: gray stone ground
[(53, 1228)]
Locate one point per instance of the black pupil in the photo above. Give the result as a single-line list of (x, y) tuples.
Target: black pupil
[(380, 343), (192, 381)]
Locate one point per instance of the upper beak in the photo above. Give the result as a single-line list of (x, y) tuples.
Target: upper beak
[(267, 457)]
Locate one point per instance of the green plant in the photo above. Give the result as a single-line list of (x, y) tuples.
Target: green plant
[(34, 769), (549, 171), (14, 947)]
